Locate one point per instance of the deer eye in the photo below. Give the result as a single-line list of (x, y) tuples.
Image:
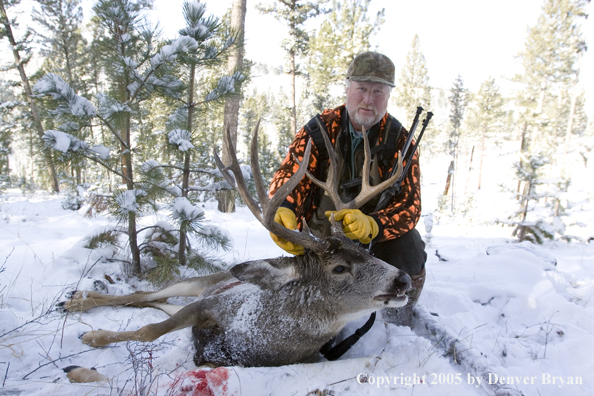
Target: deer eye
[(339, 269)]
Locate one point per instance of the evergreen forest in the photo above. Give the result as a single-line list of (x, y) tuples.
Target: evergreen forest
[(118, 119)]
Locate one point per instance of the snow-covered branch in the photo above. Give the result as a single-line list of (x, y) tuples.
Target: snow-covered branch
[(181, 138), (226, 85), (69, 102)]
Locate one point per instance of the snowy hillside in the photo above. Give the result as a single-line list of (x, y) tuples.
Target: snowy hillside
[(528, 309)]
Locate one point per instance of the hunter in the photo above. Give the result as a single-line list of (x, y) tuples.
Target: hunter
[(391, 230)]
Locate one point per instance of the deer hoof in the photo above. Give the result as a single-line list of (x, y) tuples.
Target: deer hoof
[(100, 286), (96, 338)]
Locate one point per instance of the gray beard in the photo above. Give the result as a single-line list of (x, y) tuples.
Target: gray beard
[(366, 122)]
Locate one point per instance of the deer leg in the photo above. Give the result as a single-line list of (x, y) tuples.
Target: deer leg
[(169, 309), (194, 287), (190, 315)]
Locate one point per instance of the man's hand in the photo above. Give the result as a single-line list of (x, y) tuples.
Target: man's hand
[(355, 224), (286, 218)]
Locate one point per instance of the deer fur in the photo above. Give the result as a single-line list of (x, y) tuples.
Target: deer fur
[(265, 312)]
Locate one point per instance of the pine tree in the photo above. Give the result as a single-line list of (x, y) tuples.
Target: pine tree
[(550, 61), (63, 45), (137, 68), (22, 55), (66, 54), (213, 43), (348, 28), (258, 107), (458, 102), (486, 116), (8, 106), (281, 120), (413, 88), (294, 14)]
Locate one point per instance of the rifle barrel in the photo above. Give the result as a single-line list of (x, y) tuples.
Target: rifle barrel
[(390, 192), (411, 133), (414, 148)]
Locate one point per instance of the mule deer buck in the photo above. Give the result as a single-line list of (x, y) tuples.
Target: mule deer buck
[(276, 311)]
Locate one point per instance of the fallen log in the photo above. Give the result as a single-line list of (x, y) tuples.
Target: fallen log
[(475, 364)]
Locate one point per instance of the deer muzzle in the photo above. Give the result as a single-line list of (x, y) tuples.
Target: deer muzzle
[(397, 290)]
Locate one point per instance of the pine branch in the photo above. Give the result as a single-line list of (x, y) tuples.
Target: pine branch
[(113, 131)]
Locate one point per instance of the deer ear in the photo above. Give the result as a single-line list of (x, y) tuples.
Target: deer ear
[(264, 274)]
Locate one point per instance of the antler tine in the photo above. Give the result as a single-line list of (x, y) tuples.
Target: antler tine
[(330, 186), (223, 169), (335, 226), (366, 160), (302, 238), (368, 191), (261, 190), (240, 186)]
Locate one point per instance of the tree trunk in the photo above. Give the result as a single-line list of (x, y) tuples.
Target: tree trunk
[(226, 199), (523, 148), (127, 171), (293, 95), (132, 235), (449, 179), (569, 130), (470, 171), (34, 111), (183, 231), (525, 202), (483, 141)]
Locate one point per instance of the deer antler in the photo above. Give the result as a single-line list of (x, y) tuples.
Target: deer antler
[(266, 209), (333, 179)]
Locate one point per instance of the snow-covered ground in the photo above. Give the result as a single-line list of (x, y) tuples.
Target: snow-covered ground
[(528, 309)]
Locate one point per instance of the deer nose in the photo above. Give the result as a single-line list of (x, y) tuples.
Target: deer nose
[(403, 282)]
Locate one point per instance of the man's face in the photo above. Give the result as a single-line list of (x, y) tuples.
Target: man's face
[(366, 103)]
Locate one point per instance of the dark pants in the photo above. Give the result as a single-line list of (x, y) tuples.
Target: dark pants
[(406, 253)]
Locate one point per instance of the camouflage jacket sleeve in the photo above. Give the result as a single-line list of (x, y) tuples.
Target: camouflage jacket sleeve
[(288, 167), (404, 210)]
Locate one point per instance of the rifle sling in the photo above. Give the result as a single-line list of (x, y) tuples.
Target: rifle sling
[(333, 353)]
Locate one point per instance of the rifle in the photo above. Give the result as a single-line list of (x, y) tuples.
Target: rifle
[(407, 155)]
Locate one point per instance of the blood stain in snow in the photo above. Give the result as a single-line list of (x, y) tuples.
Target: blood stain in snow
[(205, 382)]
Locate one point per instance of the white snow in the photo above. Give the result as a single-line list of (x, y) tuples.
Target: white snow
[(101, 150), (182, 209), (126, 200), (532, 320), (181, 138), (62, 141)]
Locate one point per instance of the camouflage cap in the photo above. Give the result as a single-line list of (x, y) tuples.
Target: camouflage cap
[(371, 66)]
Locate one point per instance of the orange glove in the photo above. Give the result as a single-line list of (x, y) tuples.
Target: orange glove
[(356, 224), (286, 218)]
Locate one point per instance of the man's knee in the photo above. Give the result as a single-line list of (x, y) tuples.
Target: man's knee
[(406, 252)]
